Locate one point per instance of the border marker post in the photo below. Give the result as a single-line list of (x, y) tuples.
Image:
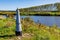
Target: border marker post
[(18, 24)]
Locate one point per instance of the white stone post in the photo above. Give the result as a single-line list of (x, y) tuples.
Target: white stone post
[(18, 23)]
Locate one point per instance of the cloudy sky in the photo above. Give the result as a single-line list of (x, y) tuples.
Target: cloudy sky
[(13, 4)]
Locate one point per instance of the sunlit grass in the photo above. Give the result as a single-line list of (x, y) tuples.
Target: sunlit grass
[(31, 30)]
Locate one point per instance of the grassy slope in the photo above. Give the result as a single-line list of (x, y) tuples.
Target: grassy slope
[(26, 11), (31, 30), (41, 13)]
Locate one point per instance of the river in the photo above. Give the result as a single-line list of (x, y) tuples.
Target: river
[(46, 20)]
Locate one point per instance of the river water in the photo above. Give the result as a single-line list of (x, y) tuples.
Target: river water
[(46, 20)]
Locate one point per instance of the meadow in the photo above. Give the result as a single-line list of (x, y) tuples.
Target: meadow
[(30, 30)]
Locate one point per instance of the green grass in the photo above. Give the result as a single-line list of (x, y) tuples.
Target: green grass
[(31, 30), (49, 13)]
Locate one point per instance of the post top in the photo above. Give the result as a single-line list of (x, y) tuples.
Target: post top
[(17, 9)]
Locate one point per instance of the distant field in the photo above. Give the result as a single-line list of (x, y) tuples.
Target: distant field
[(46, 13), (38, 13), (7, 12)]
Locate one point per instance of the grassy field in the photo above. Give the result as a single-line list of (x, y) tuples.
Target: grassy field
[(31, 30), (41, 13)]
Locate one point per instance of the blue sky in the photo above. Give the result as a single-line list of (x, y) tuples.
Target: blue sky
[(13, 4)]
